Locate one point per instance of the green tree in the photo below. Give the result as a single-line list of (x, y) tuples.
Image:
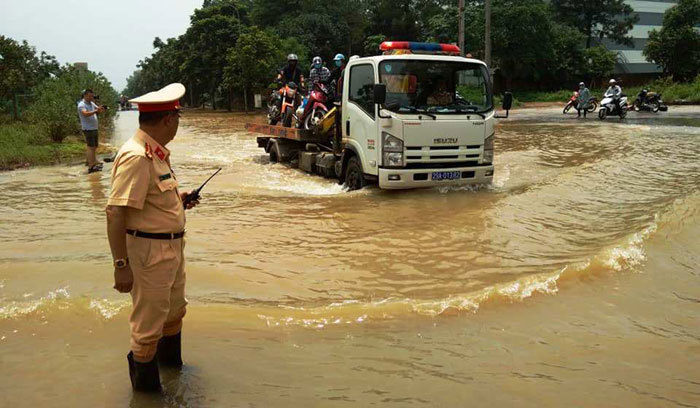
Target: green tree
[(676, 46), (599, 63), (599, 19), (324, 27), (372, 44), (517, 59), (21, 68), (252, 62), (134, 85), (397, 19), (569, 54), (292, 45), (213, 30), (198, 57), (55, 104)]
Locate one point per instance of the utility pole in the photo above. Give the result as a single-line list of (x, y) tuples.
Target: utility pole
[(460, 40), (487, 34)]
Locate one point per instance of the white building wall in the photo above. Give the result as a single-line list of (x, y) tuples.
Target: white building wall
[(631, 60)]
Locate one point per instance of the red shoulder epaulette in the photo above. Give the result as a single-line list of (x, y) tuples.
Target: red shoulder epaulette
[(149, 151)]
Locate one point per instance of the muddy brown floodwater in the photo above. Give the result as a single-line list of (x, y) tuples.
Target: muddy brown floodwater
[(573, 280)]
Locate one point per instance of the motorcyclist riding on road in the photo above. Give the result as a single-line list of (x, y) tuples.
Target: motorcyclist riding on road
[(614, 91)]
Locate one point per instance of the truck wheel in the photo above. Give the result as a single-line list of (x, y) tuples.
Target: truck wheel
[(288, 114), (274, 153), (602, 113), (354, 177)]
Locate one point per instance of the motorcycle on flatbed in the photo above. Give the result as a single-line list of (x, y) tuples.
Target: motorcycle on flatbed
[(282, 105)]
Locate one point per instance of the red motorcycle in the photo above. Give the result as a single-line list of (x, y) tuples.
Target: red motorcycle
[(316, 106), (573, 103)]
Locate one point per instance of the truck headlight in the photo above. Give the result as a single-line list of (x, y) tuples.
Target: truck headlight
[(392, 151), (488, 150)]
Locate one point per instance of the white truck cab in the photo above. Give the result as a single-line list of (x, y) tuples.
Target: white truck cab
[(418, 116), (417, 120)]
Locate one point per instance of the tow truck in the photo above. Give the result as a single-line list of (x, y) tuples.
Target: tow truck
[(419, 115)]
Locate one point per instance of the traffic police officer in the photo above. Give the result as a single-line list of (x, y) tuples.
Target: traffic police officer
[(146, 227)]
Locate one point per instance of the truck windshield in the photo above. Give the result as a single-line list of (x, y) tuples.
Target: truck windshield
[(437, 87)]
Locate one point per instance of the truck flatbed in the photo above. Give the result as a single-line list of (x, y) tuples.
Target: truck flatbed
[(299, 135)]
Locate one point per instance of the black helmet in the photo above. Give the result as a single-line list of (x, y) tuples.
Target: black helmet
[(292, 57)]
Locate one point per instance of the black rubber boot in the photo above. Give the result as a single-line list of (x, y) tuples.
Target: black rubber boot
[(144, 376), (169, 351)]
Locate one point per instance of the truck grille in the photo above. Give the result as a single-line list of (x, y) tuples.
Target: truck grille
[(425, 157), (443, 165)]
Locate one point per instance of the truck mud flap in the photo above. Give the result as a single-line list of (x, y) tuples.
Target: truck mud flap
[(263, 142)]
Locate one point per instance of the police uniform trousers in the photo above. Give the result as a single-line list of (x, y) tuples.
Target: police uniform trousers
[(158, 293)]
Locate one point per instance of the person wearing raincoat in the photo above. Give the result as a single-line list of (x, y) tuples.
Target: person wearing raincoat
[(584, 95)]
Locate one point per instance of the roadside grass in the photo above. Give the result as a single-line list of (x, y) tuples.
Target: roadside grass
[(23, 144), (562, 95), (672, 92)]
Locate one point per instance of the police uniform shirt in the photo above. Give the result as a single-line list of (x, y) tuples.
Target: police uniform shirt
[(143, 181)]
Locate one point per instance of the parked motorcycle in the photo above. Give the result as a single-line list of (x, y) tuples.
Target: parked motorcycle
[(316, 107), (610, 106), (649, 101), (573, 102), (282, 104)]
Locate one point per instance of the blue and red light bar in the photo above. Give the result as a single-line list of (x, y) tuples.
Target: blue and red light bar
[(419, 46)]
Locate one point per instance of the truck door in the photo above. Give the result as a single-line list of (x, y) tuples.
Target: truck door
[(359, 118)]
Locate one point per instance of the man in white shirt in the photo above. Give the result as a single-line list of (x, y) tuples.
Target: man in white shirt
[(88, 111)]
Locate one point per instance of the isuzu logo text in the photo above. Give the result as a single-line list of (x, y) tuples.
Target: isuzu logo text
[(445, 140)]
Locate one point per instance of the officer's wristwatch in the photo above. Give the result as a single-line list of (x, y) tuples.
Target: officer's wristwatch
[(121, 263)]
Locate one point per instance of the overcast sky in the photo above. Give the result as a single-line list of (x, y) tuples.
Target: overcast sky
[(110, 35)]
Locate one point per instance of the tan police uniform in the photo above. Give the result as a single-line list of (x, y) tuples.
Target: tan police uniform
[(144, 182)]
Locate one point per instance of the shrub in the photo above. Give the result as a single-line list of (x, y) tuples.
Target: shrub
[(674, 92), (55, 104)]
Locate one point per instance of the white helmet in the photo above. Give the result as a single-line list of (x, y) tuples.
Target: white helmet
[(612, 82)]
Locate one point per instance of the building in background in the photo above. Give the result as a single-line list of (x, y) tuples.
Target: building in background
[(631, 61)]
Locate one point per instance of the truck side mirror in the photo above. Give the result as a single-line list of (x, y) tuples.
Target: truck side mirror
[(379, 94), (507, 101)]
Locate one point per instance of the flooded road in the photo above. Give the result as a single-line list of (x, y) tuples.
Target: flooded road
[(573, 280)]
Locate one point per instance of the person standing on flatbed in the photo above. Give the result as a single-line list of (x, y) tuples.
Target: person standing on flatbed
[(146, 228)]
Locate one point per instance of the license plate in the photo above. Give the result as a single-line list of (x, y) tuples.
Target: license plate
[(446, 175)]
